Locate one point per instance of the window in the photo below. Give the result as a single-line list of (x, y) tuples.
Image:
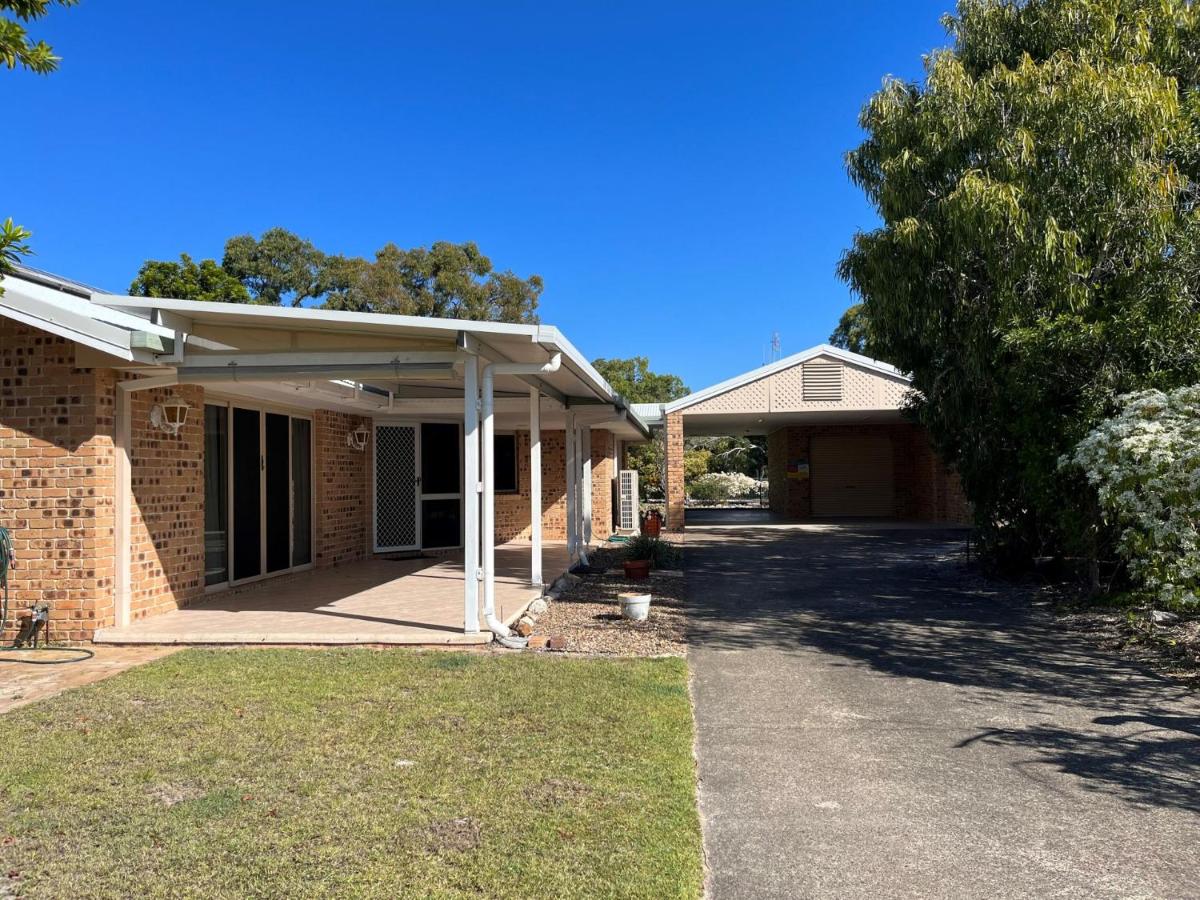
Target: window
[(505, 448)]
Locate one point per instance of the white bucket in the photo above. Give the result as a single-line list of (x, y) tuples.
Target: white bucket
[(635, 607)]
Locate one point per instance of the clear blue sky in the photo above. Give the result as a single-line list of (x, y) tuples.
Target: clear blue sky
[(674, 171)]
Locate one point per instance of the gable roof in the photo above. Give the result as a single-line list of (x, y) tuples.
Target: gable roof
[(787, 362)]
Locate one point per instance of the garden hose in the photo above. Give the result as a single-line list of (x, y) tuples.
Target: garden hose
[(7, 559)]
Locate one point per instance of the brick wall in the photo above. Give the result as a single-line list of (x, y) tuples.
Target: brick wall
[(925, 490), (56, 481), (344, 501), (513, 510), (166, 535), (674, 464), (604, 471)]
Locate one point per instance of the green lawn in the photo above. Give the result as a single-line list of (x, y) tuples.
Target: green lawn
[(355, 773)]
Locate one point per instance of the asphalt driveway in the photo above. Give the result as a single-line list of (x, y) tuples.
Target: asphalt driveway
[(876, 721)]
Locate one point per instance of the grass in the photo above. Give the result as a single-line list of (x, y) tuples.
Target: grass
[(233, 773)]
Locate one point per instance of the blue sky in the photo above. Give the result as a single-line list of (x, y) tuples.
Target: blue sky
[(674, 171)]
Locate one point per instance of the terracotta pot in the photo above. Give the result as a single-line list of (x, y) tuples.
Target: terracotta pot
[(637, 569), (652, 523)]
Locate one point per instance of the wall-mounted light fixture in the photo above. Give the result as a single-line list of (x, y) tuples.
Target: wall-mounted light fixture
[(169, 416), (357, 439)]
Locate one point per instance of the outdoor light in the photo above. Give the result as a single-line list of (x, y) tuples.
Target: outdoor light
[(357, 439), (169, 416)]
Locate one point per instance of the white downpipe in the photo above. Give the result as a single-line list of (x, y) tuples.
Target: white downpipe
[(572, 493), (488, 524), (585, 490), (535, 486), (471, 570)]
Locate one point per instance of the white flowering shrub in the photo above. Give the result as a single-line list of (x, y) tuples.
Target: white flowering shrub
[(1145, 465), (717, 486)]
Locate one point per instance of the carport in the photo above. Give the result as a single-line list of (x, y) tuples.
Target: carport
[(838, 443)]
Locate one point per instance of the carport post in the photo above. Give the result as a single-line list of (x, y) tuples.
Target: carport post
[(572, 496), (535, 486), (471, 495)]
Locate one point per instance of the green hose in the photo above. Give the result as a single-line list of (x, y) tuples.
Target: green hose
[(7, 558)]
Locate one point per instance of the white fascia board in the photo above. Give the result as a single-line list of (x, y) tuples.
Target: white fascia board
[(309, 315), (67, 316), (549, 335), (795, 359)]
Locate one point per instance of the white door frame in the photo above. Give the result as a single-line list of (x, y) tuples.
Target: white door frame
[(419, 495)]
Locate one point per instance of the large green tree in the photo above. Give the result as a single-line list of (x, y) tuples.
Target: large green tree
[(853, 332), (634, 380), (279, 268), (1040, 240), (447, 280), (188, 280), (19, 50)]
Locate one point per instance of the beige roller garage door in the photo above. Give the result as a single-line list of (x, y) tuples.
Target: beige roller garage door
[(852, 476)]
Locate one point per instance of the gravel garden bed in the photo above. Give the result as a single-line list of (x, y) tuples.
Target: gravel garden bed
[(587, 614)]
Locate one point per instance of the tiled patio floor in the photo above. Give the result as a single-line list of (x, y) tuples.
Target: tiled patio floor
[(379, 601)]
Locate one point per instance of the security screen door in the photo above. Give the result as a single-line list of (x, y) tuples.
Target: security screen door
[(418, 486), (396, 488)]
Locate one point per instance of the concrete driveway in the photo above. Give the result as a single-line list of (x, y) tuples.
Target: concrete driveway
[(875, 721)]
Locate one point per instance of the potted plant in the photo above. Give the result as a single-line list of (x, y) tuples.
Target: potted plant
[(646, 551), (652, 523)]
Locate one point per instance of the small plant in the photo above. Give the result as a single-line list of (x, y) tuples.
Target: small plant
[(662, 554)]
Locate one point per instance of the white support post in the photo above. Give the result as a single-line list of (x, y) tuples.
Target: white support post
[(487, 519), (585, 488), (535, 486), (471, 495), (572, 493)]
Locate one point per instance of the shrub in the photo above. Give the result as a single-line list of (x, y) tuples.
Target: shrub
[(717, 486), (662, 554), (1145, 465)]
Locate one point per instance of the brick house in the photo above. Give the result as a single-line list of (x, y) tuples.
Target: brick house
[(838, 445), (156, 453)]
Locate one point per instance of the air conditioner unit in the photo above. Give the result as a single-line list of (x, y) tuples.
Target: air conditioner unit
[(628, 509)]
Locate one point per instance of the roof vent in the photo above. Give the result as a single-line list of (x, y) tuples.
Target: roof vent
[(822, 381)]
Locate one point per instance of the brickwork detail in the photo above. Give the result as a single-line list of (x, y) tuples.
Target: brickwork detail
[(513, 509), (166, 535), (56, 481), (344, 499), (674, 466)]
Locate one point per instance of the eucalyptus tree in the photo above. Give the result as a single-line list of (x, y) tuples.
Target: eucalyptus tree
[(1040, 241)]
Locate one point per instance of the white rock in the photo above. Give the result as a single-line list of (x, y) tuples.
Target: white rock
[(538, 606), (1163, 617)]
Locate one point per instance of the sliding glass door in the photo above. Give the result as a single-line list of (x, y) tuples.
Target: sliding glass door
[(257, 493), (247, 490)]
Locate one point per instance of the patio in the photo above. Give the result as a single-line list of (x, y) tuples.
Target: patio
[(378, 601)]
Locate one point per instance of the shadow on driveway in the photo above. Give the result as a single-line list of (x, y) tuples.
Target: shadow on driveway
[(1007, 690)]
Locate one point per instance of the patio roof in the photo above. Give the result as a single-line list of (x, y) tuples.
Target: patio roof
[(361, 362)]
